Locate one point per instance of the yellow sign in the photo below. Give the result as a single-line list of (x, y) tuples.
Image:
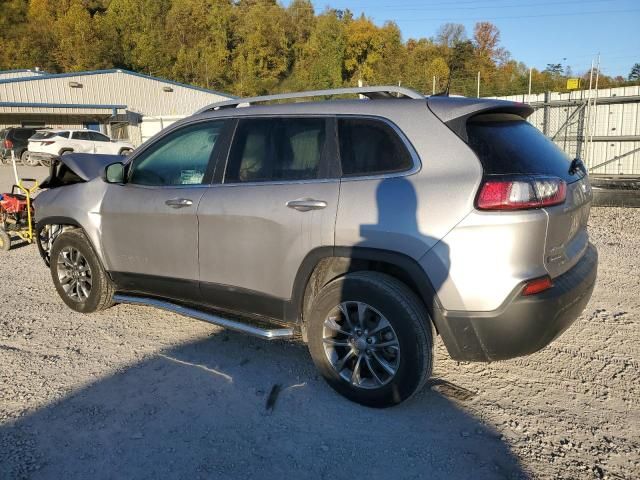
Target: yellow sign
[(573, 83)]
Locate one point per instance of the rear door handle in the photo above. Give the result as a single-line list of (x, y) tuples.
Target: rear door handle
[(179, 202), (306, 204)]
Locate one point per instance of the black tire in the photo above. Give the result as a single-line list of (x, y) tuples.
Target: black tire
[(411, 327), (24, 158), (100, 294), (5, 241), (45, 162)]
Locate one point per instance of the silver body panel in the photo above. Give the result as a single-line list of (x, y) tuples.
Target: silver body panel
[(250, 239)]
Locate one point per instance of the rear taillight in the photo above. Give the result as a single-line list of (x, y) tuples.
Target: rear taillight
[(520, 193), (538, 285), (48, 143), (7, 144)]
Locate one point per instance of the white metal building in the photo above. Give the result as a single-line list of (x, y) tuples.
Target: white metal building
[(115, 102)]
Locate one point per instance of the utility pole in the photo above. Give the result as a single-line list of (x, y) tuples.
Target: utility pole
[(434, 85), (530, 69), (595, 113), (478, 84)]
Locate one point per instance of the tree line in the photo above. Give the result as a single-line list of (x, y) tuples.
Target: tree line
[(252, 47)]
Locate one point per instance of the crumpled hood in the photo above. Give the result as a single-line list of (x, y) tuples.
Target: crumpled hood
[(88, 166)]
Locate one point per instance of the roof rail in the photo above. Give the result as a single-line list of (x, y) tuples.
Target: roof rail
[(381, 92)]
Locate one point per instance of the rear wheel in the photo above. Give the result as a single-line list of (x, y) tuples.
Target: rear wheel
[(78, 275), (24, 158), (5, 241), (371, 339)]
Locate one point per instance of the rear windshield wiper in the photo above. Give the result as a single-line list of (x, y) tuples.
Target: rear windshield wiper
[(577, 164)]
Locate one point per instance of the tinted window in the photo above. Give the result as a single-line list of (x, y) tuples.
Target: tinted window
[(277, 149), (98, 137), (43, 134), (180, 158), (507, 144), (63, 134), (369, 147), (23, 133), (81, 136)]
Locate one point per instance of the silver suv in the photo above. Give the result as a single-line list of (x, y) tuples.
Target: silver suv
[(363, 225)]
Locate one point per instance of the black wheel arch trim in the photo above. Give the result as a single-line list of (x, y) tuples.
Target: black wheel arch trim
[(61, 220), (410, 268)]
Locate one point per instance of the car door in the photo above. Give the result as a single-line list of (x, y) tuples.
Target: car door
[(102, 144), (81, 142), (276, 203), (149, 224)]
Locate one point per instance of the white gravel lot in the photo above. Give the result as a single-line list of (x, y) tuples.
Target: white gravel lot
[(134, 392)]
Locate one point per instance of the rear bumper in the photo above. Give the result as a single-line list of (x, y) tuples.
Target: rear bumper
[(522, 325)]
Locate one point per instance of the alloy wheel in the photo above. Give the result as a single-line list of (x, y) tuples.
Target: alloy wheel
[(74, 274), (361, 345)]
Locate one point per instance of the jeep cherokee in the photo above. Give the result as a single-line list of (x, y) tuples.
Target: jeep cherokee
[(366, 226)]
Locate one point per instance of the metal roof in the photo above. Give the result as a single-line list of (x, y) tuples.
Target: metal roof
[(45, 76)]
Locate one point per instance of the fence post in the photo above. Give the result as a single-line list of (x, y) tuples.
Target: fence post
[(547, 113)]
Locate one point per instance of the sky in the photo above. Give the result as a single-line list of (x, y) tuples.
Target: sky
[(570, 32)]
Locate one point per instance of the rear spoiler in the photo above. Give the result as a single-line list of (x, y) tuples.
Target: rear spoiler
[(455, 111)]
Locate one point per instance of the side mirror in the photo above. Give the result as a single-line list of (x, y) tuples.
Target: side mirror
[(114, 173)]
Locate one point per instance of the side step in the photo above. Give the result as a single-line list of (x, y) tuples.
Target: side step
[(236, 325)]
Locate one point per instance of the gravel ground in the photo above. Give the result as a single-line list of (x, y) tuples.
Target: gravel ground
[(134, 392)]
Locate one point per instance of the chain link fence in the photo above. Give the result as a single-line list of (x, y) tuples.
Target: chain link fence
[(602, 127)]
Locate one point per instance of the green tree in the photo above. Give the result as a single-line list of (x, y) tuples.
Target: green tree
[(363, 50), (82, 42), (261, 55), (634, 75), (320, 64)]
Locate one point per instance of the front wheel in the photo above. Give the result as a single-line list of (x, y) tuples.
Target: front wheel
[(5, 241), (371, 339), (78, 275)]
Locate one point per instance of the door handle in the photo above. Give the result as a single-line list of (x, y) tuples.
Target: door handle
[(179, 202), (306, 204)]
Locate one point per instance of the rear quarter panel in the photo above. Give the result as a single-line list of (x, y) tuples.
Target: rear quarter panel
[(410, 213)]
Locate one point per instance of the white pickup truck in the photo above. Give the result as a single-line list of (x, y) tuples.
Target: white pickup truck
[(46, 144)]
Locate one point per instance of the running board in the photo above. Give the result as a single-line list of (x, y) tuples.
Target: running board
[(236, 325)]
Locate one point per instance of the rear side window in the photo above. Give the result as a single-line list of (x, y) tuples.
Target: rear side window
[(370, 147), (63, 134), (507, 144), (81, 136), (277, 149)]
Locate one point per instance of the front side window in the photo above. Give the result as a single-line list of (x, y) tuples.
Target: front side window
[(98, 137), (180, 158), (371, 147), (277, 149)]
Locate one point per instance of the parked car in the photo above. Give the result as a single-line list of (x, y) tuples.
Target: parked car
[(15, 141), (47, 144), (363, 225)]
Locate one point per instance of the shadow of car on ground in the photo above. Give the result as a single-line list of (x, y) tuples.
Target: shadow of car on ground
[(200, 411)]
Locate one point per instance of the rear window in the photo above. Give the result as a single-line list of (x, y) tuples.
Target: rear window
[(43, 135), (507, 144), (23, 133), (370, 147)]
